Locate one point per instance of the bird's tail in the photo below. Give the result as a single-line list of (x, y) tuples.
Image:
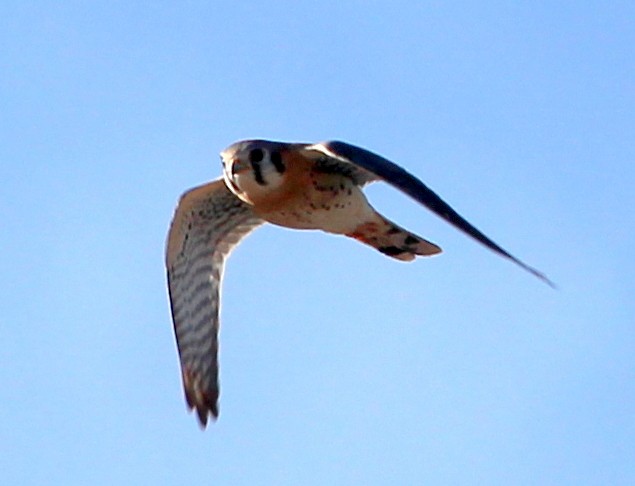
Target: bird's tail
[(393, 240)]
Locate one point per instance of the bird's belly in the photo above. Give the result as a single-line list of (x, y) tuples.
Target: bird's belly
[(335, 210)]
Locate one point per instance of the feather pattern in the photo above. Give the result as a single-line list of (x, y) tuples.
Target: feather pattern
[(294, 185), (208, 222), (368, 167)]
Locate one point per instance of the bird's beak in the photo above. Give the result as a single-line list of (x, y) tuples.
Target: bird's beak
[(237, 166), (232, 164)]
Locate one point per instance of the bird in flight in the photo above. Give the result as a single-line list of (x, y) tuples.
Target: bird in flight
[(295, 185)]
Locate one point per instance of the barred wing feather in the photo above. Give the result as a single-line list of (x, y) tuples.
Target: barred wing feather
[(208, 222)]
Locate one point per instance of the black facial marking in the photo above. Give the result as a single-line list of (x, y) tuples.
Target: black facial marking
[(394, 230), (258, 173), (256, 155), (276, 160), (391, 250), (411, 240)]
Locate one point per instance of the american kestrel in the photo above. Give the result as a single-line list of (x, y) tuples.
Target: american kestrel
[(295, 185)]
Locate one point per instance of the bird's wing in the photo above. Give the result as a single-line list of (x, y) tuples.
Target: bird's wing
[(208, 222), (364, 166)]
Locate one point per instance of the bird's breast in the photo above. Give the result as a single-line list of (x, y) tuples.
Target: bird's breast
[(314, 200)]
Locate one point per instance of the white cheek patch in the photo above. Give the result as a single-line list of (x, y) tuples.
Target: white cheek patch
[(273, 179), (266, 183), (258, 176)]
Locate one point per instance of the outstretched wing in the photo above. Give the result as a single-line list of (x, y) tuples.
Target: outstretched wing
[(365, 166), (208, 222)]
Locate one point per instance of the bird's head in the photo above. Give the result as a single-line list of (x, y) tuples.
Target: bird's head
[(253, 167)]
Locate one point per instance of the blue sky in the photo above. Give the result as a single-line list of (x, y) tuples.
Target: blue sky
[(339, 366)]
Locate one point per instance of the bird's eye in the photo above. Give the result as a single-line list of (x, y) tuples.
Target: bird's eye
[(256, 155)]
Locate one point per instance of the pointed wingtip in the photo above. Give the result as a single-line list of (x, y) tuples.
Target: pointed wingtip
[(204, 403), (537, 274), (204, 414), (546, 280)]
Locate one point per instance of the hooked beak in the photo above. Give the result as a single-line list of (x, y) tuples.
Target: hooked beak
[(237, 166), (233, 165)]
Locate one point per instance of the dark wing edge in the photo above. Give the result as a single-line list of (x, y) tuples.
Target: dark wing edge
[(401, 179), (208, 222)]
